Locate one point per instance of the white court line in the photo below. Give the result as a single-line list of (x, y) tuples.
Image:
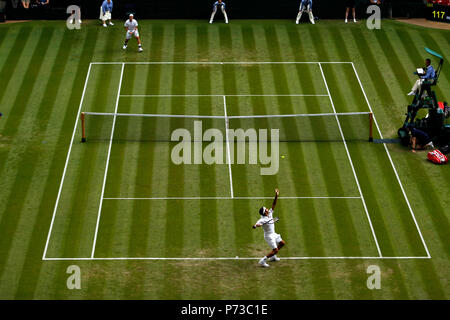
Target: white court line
[(67, 162), (228, 144), (227, 198), (107, 163), (392, 164), (229, 62), (229, 258), (351, 163), (216, 95)]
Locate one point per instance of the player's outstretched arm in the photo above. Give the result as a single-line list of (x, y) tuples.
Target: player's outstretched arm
[(277, 192), (256, 226)]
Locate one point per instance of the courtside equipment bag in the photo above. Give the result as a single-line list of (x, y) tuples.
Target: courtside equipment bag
[(437, 157)]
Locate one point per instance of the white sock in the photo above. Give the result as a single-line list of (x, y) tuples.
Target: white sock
[(311, 17), (212, 16), (226, 17), (299, 16)]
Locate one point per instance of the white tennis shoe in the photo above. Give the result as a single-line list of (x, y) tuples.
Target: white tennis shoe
[(274, 258), (263, 263)]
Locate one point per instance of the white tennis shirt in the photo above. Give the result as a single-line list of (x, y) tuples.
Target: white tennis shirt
[(269, 228), (131, 25)]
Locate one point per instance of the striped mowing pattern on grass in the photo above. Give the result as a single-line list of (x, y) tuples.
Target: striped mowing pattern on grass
[(41, 61), (230, 171)]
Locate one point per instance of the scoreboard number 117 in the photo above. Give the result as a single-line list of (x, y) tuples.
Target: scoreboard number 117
[(438, 14)]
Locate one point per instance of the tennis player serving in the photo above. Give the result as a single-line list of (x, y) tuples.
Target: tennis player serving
[(267, 222)]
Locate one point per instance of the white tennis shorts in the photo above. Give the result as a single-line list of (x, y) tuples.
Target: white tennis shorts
[(305, 8), (135, 34), (273, 240)]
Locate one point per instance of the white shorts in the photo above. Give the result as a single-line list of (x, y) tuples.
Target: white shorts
[(273, 240), (135, 34), (305, 8)]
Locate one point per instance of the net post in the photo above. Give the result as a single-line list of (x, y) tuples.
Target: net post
[(83, 127), (371, 127)]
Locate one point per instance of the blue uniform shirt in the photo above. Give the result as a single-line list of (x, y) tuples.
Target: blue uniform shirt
[(420, 135), (431, 74), (107, 6), (218, 4)]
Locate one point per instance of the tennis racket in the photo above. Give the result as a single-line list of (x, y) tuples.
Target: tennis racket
[(272, 221)]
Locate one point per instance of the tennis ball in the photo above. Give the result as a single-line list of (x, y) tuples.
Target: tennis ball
[(282, 157)]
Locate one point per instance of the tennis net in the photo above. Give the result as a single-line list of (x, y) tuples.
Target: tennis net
[(121, 127)]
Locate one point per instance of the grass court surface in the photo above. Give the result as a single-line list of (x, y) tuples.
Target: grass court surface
[(141, 227)]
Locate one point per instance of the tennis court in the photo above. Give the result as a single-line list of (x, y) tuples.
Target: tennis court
[(131, 189)]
